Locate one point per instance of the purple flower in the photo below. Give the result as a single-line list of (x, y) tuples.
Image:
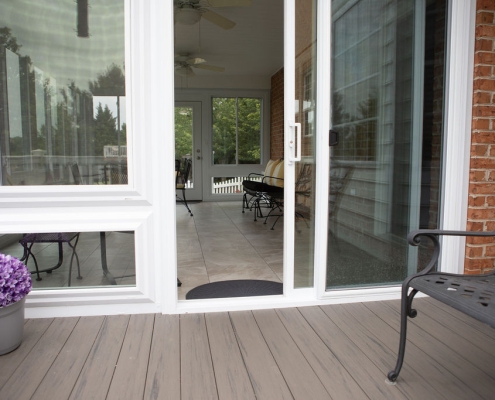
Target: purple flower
[(15, 280)]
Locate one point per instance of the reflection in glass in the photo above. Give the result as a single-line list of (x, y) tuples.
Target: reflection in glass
[(62, 96), (104, 258), (385, 171)]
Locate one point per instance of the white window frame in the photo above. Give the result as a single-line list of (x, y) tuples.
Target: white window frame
[(147, 203)]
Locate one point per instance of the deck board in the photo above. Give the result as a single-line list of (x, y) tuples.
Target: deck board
[(266, 378), (33, 330), (289, 358), (337, 380), (130, 372), (163, 377), (425, 367), (39, 360), (197, 374), (451, 361), (327, 352), (97, 373), (364, 371), (62, 375), (231, 375)]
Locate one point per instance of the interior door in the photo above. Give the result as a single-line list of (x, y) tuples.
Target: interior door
[(188, 144)]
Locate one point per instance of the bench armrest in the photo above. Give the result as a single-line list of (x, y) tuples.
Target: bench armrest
[(414, 239), (270, 177), (254, 174)]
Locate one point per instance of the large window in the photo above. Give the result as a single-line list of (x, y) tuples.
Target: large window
[(236, 130), (62, 93)]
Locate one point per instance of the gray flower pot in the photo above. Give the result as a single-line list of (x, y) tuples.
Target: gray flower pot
[(11, 326)]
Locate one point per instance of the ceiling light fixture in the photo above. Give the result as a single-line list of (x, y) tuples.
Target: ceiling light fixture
[(187, 16)]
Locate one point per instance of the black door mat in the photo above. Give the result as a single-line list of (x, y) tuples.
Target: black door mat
[(235, 288)]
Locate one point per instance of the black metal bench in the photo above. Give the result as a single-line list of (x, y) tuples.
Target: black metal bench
[(470, 294)]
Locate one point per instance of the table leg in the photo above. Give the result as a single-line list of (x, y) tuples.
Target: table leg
[(104, 267)]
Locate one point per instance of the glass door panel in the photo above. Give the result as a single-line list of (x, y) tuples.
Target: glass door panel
[(188, 144), (387, 92), (305, 90)]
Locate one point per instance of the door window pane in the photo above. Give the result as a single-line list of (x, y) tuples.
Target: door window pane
[(385, 171), (184, 138), (62, 93), (236, 130)]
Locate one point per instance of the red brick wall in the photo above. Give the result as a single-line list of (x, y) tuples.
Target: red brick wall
[(277, 116), (480, 253)]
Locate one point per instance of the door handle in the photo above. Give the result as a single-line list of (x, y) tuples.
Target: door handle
[(198, 158), (295, 142), (333, 138)]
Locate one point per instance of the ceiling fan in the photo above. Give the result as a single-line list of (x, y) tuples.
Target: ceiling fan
[(184, 65), (189, 12)]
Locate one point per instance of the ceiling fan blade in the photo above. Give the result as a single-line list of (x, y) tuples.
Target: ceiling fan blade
[(184, 71), (195, 61), (217, 19), (210, 67), (229, 3)]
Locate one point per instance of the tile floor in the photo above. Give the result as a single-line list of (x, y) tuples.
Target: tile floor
[(221, 243)]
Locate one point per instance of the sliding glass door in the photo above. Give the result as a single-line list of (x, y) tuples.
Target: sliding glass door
[(387, 105)]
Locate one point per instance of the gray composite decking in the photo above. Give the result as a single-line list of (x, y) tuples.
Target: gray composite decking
[(326, 352)]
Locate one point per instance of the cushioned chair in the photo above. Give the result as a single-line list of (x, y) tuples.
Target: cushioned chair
[(262, 190), (182, 175)]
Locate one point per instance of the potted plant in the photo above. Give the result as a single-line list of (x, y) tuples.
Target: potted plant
[(15, 284)]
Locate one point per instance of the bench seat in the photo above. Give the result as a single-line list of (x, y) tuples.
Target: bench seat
[(470, 294)]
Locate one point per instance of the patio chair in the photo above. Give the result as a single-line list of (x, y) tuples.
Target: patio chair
[(78, 177), (182, 175), (340, 176), (260, 190), (28, 241)]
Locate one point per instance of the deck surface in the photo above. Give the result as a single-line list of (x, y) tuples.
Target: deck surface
[(326, 352)]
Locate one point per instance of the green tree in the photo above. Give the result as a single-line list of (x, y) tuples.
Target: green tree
[(249, 131), (183, 131), (236, 130), (105, 130), (9, 41), (224, 130), (109, 83)]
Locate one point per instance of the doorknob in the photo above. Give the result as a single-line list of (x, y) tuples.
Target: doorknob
[(198, 158)]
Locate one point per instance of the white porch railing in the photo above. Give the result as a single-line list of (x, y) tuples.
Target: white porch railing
[(230, 185)]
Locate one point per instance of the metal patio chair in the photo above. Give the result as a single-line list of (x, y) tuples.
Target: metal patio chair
[(182, 175), (71, 238)]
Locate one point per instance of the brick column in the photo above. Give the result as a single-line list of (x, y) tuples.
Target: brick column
[(277, 116), (480, 253)]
